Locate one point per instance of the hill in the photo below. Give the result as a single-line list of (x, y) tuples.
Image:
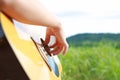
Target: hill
[(90, 38)]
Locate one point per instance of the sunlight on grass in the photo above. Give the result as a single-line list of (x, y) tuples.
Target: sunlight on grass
[(101, 62)]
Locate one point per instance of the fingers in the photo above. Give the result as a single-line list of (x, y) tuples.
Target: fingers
[(58, 48), (60, 44), (47, 38), (55, 48), (65, 49), (52, 46)]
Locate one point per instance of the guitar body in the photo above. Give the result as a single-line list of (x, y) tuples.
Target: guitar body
[(34, 61)]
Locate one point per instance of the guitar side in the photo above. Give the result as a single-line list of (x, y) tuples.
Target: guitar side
[(27, 54)]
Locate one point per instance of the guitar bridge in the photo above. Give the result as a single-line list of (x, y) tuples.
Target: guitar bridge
[(44, 51)]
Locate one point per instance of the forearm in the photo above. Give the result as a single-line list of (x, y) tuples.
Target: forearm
[(29, 11)]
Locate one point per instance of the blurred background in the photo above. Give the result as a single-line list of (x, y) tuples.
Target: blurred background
[(86, 16)]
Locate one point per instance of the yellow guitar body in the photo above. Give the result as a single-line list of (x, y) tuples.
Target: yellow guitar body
[(27, 53)]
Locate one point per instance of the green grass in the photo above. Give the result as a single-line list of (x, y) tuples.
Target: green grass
[(100, 62)]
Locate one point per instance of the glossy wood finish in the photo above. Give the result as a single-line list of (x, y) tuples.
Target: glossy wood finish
[(27, 53)]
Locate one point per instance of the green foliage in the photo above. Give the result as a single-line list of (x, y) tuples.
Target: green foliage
[(99, 62), (92, 39)]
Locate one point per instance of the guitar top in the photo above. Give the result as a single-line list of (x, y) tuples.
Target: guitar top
[(33, 57)]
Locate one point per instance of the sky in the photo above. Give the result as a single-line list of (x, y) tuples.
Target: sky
[(86, 16)]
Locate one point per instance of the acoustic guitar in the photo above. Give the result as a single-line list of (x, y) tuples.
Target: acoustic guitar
[(34, 57)]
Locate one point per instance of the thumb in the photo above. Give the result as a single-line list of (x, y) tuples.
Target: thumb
[(47, 38)]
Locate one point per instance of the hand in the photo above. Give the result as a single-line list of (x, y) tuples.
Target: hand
[(60, 44)]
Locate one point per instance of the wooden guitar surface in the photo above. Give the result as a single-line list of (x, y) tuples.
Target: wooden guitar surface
[(29, 54)]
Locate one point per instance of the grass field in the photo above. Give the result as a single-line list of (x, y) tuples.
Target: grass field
[(101, 62)]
